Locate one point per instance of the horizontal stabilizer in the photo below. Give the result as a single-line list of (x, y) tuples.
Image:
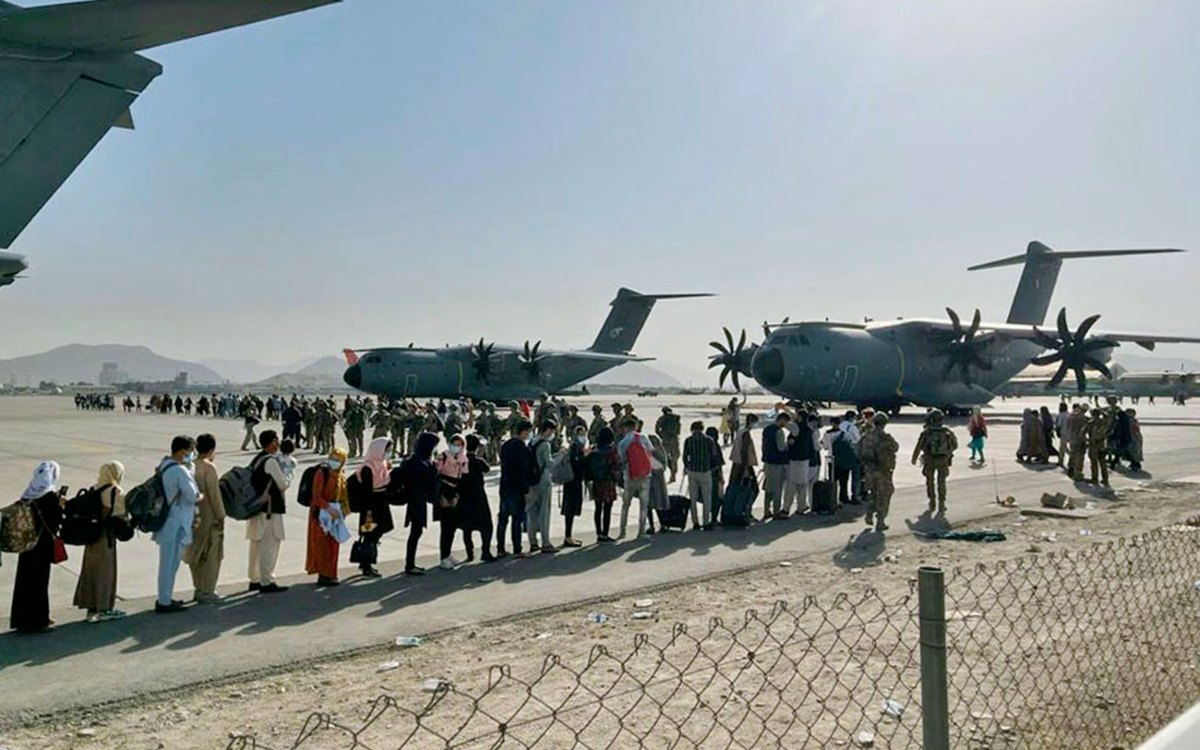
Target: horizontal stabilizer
[(1037, 249), (120, 26)]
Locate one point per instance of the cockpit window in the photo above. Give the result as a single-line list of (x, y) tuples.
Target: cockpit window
[(374, 359), (804, 340)]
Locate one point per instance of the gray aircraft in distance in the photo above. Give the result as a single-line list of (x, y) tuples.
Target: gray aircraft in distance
[(69, 73), (930, 362), (11, 265), (486, 371)]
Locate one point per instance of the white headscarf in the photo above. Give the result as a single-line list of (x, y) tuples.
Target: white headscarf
[(45, 479)]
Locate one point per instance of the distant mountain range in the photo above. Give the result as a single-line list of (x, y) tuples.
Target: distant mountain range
[(1158, 363), (247, 371), (80, 363)]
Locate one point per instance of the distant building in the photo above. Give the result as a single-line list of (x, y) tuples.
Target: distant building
[(181, 380), (112, 374)]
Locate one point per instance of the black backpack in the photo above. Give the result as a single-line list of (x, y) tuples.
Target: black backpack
[(597, 467), (83, 517), (304, 496), (535, 469), (148, 505)]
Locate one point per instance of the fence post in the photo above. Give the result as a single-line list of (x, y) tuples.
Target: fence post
[(935, 705)]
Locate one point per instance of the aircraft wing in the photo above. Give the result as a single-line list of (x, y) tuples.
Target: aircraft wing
[(617, 359), (51, 116), (116, 26), (1023, 331)]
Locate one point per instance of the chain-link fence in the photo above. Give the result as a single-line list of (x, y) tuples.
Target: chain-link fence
[(1092, 649)]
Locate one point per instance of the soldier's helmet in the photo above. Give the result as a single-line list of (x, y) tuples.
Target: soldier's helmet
[(881, 419), (936, 416)]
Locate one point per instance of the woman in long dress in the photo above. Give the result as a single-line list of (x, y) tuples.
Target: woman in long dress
[(572, 491), (96, 591), (451, 467), (31, 590), (660, 498), (328, 495)]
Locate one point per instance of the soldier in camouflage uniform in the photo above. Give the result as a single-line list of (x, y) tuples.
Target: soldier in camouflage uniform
[(354, 424), (454, 422), (877, 451), (668, 428), (310, 424), (514, 418), (381, 422), (935, 449), (1076, 437), (1099, 427), (415, 423), (490, 431), (598, 423)]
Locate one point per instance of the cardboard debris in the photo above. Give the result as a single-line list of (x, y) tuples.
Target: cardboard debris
[(1057, 513)]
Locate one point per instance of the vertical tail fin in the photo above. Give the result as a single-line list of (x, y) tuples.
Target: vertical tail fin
[(1032, 300), (625, 321)]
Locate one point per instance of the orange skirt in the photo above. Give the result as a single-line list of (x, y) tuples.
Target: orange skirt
[(322, 557)]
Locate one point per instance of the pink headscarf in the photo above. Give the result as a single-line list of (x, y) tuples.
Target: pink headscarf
[(454, 466), (376, 461)]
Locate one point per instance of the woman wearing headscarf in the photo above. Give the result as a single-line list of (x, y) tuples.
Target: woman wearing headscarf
[(31, 589), (96, 591), (376, 520), (1047, 420), (978, 430), (328, 497), (660, 498), (422, 486), (451, 468), (603, 486), (572, 491), (474, 510)]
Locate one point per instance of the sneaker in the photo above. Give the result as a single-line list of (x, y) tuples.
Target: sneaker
[(454, 561), (783, 515), (254, 587), (166, 609), (274, 588), (369, 572), (414, 571), (93, 618), (447, 564)]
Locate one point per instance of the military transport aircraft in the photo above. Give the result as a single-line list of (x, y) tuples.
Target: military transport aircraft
[(69, 73), (1176, 386), (11, 265), (484, 370), (927, 362)]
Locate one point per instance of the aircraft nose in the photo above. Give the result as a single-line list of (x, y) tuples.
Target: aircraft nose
[(768, 366), (353, 376)]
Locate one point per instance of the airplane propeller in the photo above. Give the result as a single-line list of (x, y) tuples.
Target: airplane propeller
[(734, 358), (962, 349), (1074, 351), (483, 361), (531, 361)]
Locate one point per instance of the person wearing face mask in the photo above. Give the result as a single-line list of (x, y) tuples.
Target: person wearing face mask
[(179, 485), (572, 491), (328, 506), (451, 467)]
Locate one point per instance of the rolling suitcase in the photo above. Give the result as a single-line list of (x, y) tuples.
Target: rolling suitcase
[(824, 494), (676, 516)]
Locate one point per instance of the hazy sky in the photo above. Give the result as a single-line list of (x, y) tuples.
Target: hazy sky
[(387, 171)]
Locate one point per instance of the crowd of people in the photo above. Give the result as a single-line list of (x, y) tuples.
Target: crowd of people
[(430, 462), (1104, 436)]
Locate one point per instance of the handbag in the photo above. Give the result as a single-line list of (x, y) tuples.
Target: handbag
[(364, 552), (60, 551)]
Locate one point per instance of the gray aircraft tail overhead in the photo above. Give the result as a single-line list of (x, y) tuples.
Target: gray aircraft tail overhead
[(1032, 300), (625, 321), (69, 73)]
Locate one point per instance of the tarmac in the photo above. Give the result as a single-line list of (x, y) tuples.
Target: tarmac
[(83, 664)]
